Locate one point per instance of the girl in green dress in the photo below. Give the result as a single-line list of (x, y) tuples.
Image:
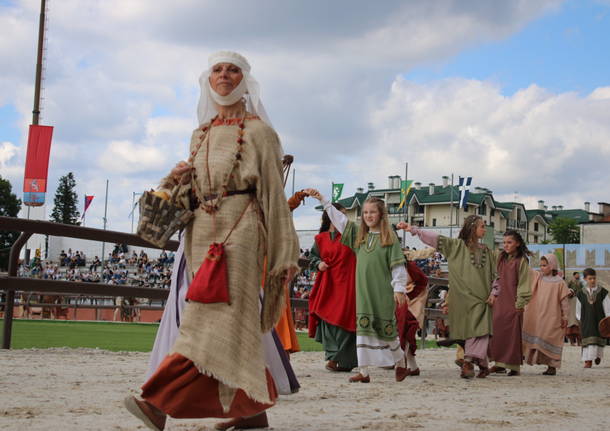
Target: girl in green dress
[(471, 274), (381, 280)]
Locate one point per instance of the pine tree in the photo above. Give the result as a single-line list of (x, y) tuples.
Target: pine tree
[(10, 206), (64, 210)]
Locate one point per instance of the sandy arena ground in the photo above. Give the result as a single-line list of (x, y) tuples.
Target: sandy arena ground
[(83, 389)]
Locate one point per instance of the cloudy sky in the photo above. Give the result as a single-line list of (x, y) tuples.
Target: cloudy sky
[(515, 93)]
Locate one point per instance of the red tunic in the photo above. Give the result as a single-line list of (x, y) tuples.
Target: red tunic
[(406, 323), (333, 296), (507, 321)]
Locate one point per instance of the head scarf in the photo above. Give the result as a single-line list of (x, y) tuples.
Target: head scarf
[(553, 262), (248, 88)]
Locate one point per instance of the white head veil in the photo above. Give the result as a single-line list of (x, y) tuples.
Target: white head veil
[(248, 88)]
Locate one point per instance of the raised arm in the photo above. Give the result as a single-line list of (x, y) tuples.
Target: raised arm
[(337, 218), (428, 237)]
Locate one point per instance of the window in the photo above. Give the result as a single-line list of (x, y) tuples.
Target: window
[(483, 209), (492, 224), (358, 211), (433, 222), (492, 212), (535, 240), (535, 228)]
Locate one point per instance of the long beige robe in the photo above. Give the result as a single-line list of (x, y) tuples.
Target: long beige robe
[(224, 341), (542, 330)]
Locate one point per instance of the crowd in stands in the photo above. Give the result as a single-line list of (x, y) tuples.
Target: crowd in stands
[(121, 267)]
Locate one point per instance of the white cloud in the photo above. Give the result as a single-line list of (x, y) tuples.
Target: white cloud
[(125, 157), (549, 146), (121, 77), (8, 150)]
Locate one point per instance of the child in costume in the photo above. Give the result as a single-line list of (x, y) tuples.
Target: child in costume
[(515, 292), (546, 317), (592, 306), (471, 274), (409, 317), (573, 330), (381, 279), (332, 303)]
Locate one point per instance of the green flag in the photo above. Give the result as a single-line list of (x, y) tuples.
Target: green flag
[(337, 190), (405, 186)]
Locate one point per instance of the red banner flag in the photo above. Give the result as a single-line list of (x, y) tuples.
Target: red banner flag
[(88, 200), (37, 165)]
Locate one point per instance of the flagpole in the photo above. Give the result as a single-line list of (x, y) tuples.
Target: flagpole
[(133, 199), (451, 209), (457, 213), (406, 206), (105, 214), (332, 192)]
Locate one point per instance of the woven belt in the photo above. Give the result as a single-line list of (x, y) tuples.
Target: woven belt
[(195, 203), (229, 193)]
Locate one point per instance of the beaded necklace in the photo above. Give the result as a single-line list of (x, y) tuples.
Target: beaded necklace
[(212, 203)]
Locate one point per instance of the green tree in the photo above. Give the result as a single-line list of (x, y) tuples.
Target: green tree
[(10, 206), (565, 231), (64, 209)]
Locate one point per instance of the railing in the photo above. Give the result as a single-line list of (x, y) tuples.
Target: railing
[(514, 224), (10, 283)]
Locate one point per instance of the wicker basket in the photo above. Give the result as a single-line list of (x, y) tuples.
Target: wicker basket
[(161, 218)]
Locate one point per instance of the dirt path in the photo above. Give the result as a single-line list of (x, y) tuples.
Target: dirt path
[(82, 389)]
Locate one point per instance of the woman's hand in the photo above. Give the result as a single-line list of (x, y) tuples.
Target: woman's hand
[(404, 226), (400, 298), (313, 193), (178, 172), (445, 308), (491, 300), (322, 266)]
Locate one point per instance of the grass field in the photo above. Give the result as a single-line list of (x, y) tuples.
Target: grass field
[(135, 337)]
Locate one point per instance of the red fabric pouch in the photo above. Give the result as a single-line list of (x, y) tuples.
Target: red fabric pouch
[(211, 283)]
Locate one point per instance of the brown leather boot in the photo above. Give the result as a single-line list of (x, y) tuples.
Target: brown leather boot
[(550, 371), (483, 372), (332, 366), (598, 361), (588, 364), (400, 373), (151, 416), (359, 378), (414, 372), (467, 370), (258, 421)]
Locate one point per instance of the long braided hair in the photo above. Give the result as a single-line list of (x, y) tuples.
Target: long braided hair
[(468, 231)]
